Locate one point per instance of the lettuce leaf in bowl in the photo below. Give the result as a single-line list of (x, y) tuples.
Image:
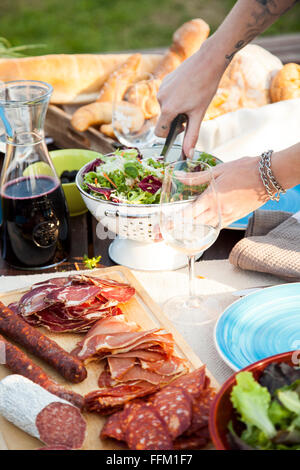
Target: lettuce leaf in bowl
[(252, 402)]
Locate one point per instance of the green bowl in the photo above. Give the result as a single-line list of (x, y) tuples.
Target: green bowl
[(72, 159)]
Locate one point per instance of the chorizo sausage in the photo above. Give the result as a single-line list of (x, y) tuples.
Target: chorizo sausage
[(13, 326), (19, 363)]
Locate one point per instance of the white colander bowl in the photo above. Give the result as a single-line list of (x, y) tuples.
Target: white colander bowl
[(134, 227)]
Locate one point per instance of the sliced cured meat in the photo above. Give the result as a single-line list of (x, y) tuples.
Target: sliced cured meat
[(97, 344), (119, 366), (72, 303), (57, 281), (81, 324), (114, 290), (73, 295), (61, 424), (170, 366), (174, 406), (113, 427), (111, 325), (105, 380), (41, 414), (200, 410), (142, 354), (146, 430), (35, 300), (137, 373), (107, 400), (193, 382)]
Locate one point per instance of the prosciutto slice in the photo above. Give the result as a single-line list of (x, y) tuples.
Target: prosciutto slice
[(118, 367), (137, 362), (73, 303)]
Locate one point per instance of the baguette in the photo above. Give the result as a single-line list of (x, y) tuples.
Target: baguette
[(113, 88), (107, 129), (186, 41), (101, 113), (76, 78), (90, 114), (120, 79)]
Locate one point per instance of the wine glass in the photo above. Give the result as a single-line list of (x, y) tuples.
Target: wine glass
[(135, 113), (190, 226)]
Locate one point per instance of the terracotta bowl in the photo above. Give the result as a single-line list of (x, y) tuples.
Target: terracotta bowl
[(222, 412)]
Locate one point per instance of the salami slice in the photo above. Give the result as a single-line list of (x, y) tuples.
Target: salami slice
[(61, 424), (113, 427), (146, 430), (41, 414), (174, 406), (200, 410), (193, 382), (106, 401)]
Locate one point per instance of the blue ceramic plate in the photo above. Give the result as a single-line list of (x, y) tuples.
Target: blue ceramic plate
[(289, 202), (259, 325)]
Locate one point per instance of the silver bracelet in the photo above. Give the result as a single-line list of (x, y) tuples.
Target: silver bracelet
[(268, 178)]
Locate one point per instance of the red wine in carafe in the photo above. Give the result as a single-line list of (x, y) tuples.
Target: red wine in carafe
[(35, 230)]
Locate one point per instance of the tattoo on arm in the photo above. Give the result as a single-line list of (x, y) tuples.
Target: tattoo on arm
[(265, 13)]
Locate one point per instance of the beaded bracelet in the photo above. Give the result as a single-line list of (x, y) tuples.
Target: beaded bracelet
[(268, 178)]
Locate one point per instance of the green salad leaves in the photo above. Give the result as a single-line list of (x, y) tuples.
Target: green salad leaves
[(271, 417), (127, 177)]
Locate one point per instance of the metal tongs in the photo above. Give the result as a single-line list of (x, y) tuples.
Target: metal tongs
[(175, 129)]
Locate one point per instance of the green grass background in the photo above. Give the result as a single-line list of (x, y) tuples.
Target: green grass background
[(67, 26)]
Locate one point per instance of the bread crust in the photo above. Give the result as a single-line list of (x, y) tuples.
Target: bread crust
[(286, 83), (76, 78)]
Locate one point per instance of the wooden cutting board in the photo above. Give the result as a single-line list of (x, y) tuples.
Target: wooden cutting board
[(141, 309)]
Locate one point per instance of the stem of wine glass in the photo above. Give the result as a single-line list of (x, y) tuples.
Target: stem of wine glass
[(191, 264)]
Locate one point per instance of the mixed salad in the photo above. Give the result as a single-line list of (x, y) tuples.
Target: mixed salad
[(269, 409), (126, 176)]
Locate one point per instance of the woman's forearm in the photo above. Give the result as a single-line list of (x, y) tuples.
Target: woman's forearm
[(247, 19), (286, 166)]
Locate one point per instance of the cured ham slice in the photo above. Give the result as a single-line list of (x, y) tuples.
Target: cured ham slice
[(172, 365), (137, 362), (72, 303), (72, 296), (118, 367), (96, 345), (137, 373)]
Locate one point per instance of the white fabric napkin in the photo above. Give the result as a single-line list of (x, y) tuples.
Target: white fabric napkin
[(249, 132)]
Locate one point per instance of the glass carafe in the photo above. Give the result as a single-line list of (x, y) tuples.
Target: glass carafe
[(35, 219)]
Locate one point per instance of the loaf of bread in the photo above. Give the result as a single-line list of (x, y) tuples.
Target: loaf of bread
[(107, 129), (76, 78), (101, 113), (246, 81), (186, 40), (285, 84), (119, 80), (113, 89)]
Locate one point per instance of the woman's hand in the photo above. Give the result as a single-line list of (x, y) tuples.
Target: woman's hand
[(189, 89), (239, 188)]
